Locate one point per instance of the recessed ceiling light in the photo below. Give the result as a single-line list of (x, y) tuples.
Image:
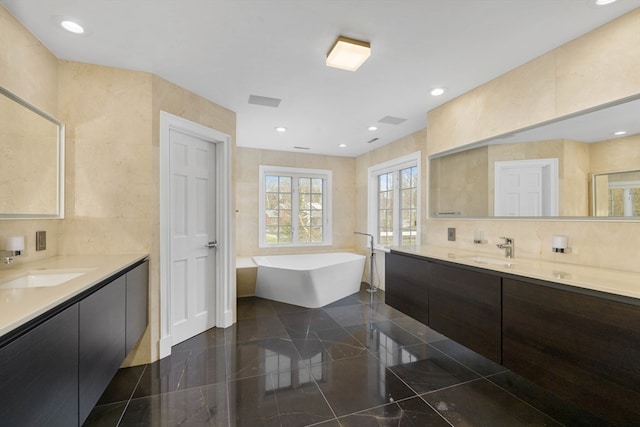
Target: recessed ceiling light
[(342, 145), (372, 128), (604, 2), (72, 26), (620, 133), (348, 54), (437, 91), (281, 129)]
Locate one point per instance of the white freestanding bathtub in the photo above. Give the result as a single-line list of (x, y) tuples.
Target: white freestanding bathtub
[(309, 280)]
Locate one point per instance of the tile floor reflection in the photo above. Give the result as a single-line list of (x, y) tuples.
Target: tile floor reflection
[(356, 362)]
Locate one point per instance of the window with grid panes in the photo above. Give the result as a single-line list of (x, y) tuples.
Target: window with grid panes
[(294, 206), (394, 189)]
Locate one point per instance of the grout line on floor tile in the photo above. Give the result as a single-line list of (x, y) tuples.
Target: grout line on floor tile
[(126, 406), (451, 386), (461, 363), (436, 411), (520, 399)]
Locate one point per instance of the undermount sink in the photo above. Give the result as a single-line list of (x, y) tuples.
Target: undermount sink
[(42, 278), (504, 262)]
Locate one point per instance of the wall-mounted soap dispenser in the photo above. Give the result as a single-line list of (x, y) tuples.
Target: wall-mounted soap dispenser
[(14, 245)]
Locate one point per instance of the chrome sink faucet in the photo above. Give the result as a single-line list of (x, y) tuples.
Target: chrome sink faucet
[(508, 247)]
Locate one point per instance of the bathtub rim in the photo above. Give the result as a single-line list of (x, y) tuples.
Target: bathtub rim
[(260, 261)]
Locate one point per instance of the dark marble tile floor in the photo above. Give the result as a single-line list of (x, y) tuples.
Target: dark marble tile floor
[(356, 362)]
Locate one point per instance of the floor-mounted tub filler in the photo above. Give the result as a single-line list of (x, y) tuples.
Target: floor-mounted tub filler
[(309, 280)]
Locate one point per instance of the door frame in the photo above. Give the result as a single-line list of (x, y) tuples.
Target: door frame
[(225, 288)]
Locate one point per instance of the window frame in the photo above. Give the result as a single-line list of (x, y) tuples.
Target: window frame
[(395, 166), (327, 185)]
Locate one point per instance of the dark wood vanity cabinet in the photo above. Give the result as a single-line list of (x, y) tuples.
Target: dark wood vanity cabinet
[(584, 348), (137, 310), (406, 285), (54, 372), (39, 374), (465, 306), (102, 341), (112, 321)]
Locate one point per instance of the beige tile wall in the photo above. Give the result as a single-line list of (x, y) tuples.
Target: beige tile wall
[(107, 112), (461, 183), (615, 155)]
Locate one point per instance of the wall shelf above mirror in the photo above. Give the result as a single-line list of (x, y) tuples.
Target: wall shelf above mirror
[(31, 161), (507, 174)]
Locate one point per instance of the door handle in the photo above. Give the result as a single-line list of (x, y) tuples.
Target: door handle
[(212, 244)]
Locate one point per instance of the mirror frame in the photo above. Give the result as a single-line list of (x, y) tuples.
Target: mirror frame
[(490, 140), (59, 160)]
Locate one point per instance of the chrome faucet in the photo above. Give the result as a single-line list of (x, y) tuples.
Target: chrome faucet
[(508, 247), (372, 288)]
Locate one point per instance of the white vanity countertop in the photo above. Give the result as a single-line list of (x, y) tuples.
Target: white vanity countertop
[(618, 282), (18, 306)]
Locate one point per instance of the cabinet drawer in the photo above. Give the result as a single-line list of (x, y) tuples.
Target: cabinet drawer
[(137, 304), (101, 341), (406, 287), (39, 374), (466, 307), (583, 348)]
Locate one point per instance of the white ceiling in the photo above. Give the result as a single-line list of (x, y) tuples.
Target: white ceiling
[(227, 50)]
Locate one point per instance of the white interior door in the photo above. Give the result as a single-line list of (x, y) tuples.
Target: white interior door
[(526, 188), (192, 222)]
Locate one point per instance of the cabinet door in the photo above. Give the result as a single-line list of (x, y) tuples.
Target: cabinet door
[(137, 304), (406, 285), (584, 348), (466, 307), (102, 341), (39, 374)]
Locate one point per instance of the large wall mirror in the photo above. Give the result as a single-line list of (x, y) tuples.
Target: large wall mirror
[(584, 165), (31, 160)]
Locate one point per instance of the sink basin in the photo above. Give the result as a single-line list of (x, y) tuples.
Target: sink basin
[(42, 278), (493, 261)]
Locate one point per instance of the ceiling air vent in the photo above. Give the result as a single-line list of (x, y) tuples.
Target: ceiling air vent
[(390, 120), (371, 141), (264, 101), (300, 148)]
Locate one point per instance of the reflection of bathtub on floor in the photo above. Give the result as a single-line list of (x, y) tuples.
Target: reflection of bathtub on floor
[(309, 280)]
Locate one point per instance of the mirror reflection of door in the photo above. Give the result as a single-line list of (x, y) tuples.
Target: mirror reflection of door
[(526, 188)]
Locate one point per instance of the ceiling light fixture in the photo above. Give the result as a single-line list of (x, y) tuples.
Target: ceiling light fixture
[(604, 2), (72, 26), (620, 133), (437, 91), (342, 145), (348, 54), (372, 128), (281, 129)]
